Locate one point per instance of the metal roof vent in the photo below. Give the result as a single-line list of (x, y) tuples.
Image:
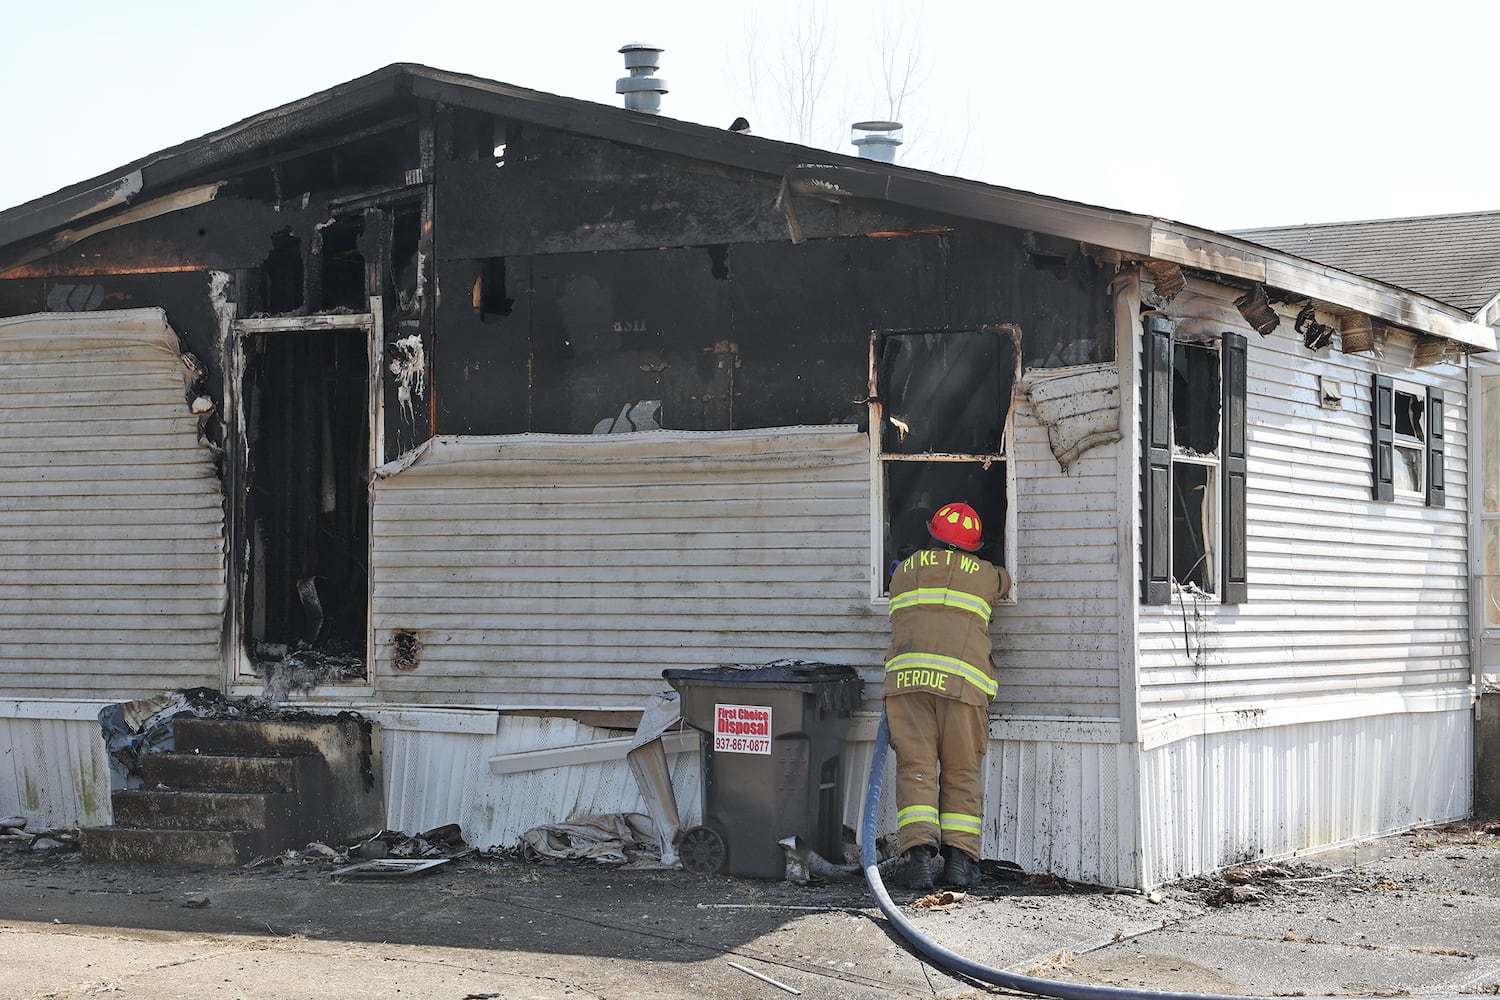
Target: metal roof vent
[(877, 140), (642, 88)]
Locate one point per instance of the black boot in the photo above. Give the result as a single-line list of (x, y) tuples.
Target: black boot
[(917, 874), (959, 869)]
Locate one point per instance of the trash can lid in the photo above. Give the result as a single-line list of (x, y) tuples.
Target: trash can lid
[(838, 686)]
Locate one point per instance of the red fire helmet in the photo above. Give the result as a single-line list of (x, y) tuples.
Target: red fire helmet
[(958, 525)]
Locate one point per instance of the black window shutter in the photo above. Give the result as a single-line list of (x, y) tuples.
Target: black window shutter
[(1437, 494), (1156, 480), (1383, 437), (1235, 588)]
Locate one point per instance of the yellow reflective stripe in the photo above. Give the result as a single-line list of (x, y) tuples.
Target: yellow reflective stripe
[(961, 822), (916, 814), (947, 665), (945, 597)]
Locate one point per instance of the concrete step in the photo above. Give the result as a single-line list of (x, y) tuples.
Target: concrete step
[(209, 772), (329, 737), (339, 785), (199, 848), (274, 812)]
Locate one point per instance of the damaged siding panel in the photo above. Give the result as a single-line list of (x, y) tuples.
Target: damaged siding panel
[(572, 571), (55, 771), (111, 523), (1352, 602), (435, 778)]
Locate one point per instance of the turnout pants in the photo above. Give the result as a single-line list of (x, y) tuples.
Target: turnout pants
[(939, 744)]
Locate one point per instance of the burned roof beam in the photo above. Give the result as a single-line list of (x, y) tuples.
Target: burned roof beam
[(205, 153), (328, 142), (950, 196), (44, 214)]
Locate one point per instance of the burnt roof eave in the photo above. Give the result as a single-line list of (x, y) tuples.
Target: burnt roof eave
[(1131, 234), (152, 174), (1208, 250)]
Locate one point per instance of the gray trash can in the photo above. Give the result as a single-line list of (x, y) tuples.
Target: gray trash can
[(773, 767)]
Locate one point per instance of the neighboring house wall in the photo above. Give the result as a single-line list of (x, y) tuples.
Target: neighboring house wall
[(111, 514), (1293, 720)]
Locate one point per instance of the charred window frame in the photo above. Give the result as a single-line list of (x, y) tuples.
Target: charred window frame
[(1408, 439), (940, 408), (1193, 480)]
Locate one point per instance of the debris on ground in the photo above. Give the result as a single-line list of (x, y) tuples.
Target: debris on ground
[(445, 843), (945, 900), (616, 838), (387, 869), (14, 834)]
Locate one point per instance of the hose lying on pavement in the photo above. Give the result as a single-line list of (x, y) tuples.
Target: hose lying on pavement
[(952, 960)]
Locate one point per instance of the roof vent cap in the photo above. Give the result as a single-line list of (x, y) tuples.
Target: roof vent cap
[(877, 140), (642, 89)]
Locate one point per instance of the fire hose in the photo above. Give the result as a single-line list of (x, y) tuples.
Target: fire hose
[(952, 960)]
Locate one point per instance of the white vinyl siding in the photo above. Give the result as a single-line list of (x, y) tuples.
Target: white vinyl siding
[(111, 513), (1057, 647), (573, 570), (1351, 601)]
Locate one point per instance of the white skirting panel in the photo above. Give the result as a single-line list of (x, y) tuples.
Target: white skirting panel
[(54, 772), (1058, 808), (1221, 799), (1051, 807)]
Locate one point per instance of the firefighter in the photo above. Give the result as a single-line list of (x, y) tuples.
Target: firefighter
[(939, 681)]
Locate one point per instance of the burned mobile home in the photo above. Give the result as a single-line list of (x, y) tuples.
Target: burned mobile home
[(472, 408)]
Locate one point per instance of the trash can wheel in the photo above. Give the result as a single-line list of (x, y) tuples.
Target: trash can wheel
[(703, 851)]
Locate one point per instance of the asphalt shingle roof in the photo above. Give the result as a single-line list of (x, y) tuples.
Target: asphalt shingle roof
[(1454, 259)]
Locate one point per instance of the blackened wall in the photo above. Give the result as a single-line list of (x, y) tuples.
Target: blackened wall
[(758, 334)]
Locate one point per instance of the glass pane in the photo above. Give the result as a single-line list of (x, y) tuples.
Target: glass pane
[(1489, 441), (915, 490), (1409, 469), (946, 393)]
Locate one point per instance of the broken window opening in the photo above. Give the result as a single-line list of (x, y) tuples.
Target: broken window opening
[(281, 274), (1196, 399), (942, 407), (1410, 442), (306, 505), (1193, 525), (342, 284)]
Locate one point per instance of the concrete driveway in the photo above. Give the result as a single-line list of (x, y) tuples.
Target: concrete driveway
[(1415, 914)]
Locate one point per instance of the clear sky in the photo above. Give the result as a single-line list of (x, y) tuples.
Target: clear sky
[(1218, 114)]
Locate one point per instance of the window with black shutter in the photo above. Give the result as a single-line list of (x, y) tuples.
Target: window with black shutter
[(1407, 442), (1194, 474)]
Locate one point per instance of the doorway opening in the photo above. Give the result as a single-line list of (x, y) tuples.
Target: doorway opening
[(305, 525)]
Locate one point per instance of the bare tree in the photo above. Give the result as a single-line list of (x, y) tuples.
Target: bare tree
[(787, 82), (792, 81), (904, 67)]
